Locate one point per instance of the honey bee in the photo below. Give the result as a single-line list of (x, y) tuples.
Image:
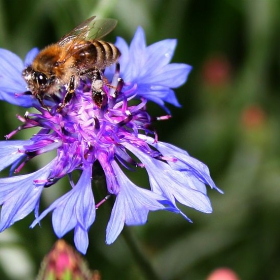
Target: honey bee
[(80, 54)]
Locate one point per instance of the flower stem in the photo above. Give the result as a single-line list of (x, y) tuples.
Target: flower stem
[(141, 259)]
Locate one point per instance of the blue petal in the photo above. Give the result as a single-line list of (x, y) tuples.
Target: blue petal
[(30, 56), (172, 75), (63, 217), (11, 64), (132, 205), (85, 206), (137, 54), (10, 151), (19, 195), (12, 85), (177, 185), (159, 54), (74, 209), (138, 43), (16, 96), (81, 239), (185, 162), (173, 184), (171, 98), (158, 94)]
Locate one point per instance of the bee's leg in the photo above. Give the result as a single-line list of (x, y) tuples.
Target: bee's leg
[(98, 95), (69, 94), (40, 99), (70, 91)]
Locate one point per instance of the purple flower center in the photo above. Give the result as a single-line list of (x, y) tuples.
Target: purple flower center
[(92, 126)]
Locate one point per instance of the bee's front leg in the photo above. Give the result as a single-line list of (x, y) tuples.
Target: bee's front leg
[(40, 98), (69, 94)]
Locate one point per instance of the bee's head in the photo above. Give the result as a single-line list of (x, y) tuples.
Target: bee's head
[(37, 82)]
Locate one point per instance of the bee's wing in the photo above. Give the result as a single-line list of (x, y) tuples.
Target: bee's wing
[(100, 28), (79, 31), (90, 29)]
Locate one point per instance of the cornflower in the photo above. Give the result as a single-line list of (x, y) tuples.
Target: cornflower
[(117, 135)]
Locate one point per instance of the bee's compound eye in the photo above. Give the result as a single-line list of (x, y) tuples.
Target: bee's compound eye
[(41, 78)]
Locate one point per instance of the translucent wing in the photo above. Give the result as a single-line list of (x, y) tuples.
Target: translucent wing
[(100, 28), (90, 29), (79, 31)]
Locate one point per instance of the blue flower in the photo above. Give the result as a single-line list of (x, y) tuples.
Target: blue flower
[(117, 135)]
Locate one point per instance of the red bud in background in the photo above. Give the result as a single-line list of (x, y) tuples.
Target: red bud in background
[(65, 263)]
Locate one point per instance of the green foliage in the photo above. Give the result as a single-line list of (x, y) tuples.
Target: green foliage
[(230, 119)]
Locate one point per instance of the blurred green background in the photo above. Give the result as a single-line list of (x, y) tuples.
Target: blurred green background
[(230, 120)]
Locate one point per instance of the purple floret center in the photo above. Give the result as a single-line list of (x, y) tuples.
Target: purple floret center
[(84, 132)]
